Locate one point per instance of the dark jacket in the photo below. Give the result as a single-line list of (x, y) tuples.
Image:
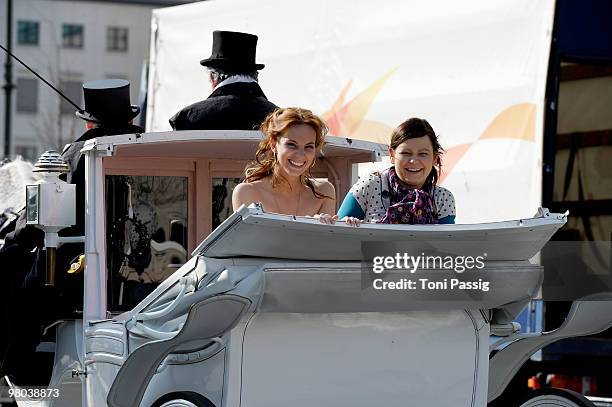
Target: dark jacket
[(76, 161), (25, 238), (26, 306), (236, 106)]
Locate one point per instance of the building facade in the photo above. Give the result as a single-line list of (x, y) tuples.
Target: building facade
[(68, 42)]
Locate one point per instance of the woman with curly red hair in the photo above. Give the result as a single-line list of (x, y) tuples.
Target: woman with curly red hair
[(279, 178)]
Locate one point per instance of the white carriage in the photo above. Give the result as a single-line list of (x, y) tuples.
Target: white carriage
[(273, 310)]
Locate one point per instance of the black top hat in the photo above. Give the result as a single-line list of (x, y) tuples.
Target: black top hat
[(233, 50), (107, 101)]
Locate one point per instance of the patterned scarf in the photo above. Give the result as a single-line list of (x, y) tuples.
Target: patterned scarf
[(408, 206)]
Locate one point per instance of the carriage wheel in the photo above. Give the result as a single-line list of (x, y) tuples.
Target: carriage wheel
[(553, 397), (179, 403), (183, 399)]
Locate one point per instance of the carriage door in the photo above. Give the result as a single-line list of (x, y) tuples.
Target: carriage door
[(147, 229)]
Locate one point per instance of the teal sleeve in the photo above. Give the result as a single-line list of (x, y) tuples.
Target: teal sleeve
[(350, 207), (447, 220)]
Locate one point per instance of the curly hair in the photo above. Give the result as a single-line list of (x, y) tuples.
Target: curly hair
[(273, 128)]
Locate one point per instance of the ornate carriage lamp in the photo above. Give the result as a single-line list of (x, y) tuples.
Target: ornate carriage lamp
[(50, 205)]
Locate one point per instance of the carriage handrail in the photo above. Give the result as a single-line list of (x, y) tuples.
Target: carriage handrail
[(185, 282)]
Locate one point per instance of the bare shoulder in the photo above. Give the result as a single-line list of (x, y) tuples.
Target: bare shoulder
[(248, 189), (324, 187), (245, 194)]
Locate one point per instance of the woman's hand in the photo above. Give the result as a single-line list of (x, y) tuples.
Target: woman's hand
[(326, 218), (349, 220)]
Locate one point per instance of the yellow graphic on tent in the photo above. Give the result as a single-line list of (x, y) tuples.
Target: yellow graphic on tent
[(516, 122), (346, 119)]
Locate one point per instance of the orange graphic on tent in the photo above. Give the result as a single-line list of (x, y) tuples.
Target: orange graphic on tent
[(516, 122), (346, 119)]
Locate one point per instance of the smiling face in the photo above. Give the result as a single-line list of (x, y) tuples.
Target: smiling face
[(295, 150), (413, 160)]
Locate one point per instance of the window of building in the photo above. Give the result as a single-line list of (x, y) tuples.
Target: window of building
[(27, 32), (28, 153), (72, 89), (72, 36), (117, 39), (27, 95)]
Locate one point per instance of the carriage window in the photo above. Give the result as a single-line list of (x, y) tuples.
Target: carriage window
[(222, 199), (146, 224)]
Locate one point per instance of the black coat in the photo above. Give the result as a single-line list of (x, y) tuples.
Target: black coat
[(75, 160), (236, 106), (25, 306), (21, 242)]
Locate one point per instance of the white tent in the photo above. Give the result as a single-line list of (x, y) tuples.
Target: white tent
[(476, 72)]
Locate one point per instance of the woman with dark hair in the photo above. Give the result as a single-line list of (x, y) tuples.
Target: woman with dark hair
[(407, 192), (280, 176)]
